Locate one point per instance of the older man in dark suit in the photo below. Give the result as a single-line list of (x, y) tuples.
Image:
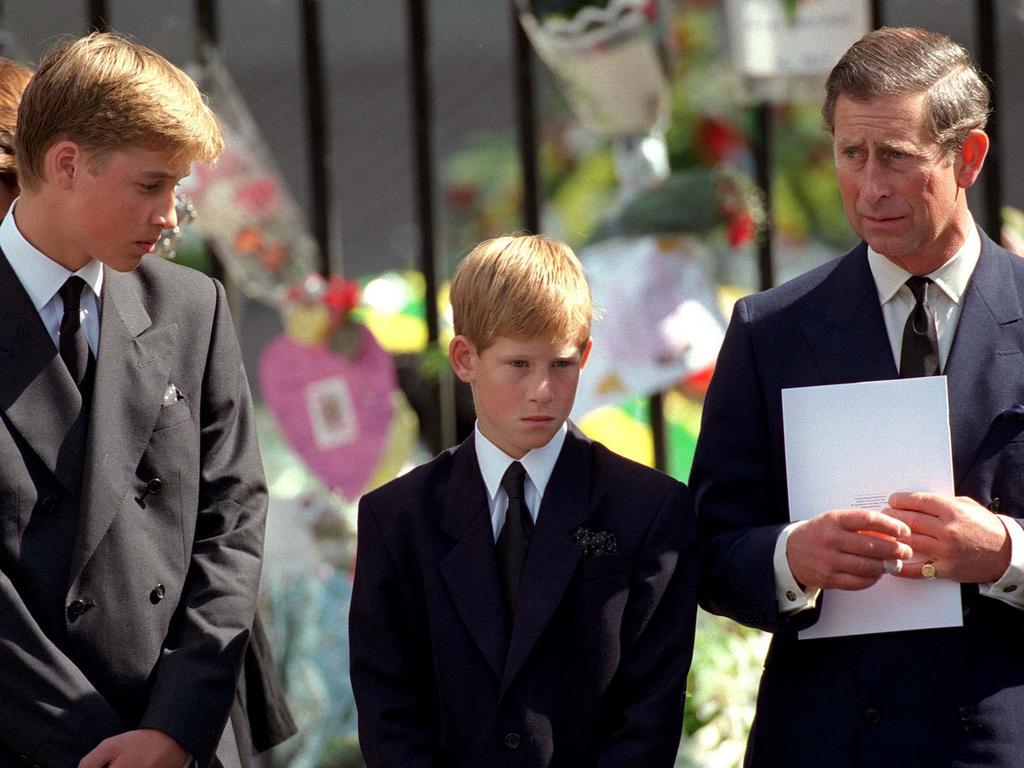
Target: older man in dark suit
[(132, 498), (927, 292)]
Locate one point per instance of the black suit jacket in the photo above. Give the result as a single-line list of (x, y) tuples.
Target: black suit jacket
[(593, 671), (120, 613), (935, 697)]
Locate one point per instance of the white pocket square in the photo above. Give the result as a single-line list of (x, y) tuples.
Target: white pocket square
[(172, 395)]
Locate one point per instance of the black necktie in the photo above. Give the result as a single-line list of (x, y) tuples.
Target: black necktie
[(920, 354), (74, 349), (514, 540)]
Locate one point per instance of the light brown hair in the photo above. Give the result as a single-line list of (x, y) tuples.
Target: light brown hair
[(106, 93), (13, 79), (897, 61), (524, 286)]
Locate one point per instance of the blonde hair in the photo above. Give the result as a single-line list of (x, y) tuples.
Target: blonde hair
[(105, 93), (13, 79), (524, 286)]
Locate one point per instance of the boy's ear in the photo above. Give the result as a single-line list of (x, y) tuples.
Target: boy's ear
[(585, 355), (462, 355), (62, 162)]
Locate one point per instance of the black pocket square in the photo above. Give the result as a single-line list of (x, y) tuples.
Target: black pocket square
[(595, 543)]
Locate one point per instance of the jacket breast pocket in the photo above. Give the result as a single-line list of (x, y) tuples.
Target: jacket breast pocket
[(172, 415)]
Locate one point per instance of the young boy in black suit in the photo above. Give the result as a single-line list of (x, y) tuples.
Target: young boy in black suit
[(528, 597)]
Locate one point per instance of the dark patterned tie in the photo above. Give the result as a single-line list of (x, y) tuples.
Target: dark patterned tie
[(920, 353), (514, 539), (74, 349)]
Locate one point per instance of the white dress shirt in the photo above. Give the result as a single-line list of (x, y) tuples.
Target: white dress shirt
[(42, 278), (946, 300), (538, 463)]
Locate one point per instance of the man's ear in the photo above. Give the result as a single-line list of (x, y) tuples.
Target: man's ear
[(971, 158), (462, 355), (62, 162), (585, 355)]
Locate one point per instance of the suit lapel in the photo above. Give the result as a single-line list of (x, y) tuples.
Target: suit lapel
[(846, 330), (553, 555), (37, 393), (984, 365), (470, 569), (131, 375)]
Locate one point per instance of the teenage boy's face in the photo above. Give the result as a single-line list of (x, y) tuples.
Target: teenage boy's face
[(118, 207), (523, 388)]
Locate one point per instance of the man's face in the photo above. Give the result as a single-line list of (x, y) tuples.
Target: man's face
[(523, 388), (117, 208), (902, 192)]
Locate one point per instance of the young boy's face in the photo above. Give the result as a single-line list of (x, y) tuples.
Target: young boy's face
[(116, 210), (523, 388)]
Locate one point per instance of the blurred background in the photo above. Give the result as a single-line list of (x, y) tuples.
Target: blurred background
[(675, 144)]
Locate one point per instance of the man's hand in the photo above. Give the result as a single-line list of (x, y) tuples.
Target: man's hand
[(845, 548), (963, 540), (144, 748)]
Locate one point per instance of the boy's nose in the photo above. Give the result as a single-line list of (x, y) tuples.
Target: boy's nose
[(167, 215)]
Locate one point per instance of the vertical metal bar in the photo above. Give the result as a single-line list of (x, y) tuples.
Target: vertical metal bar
[(876, 14), (763, 161), (422, 125), (316, 114), (98, 13), (988, 62), (526, 124), (206, 18)]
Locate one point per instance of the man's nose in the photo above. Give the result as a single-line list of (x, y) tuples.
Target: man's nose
[(876, 182)]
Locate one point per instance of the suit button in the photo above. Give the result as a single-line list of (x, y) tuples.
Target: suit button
[(157, 594), (48, 504), (1009, 589), (77, 607), (966, 712), (152, 489), (871, 716), (512, 740)]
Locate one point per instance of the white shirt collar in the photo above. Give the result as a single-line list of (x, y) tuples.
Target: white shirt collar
[(538, 463), (952, 277), (40, 275)]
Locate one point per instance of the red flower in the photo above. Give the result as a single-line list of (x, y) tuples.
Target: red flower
[(716, 140), (742, 229), (342, 295), (258, 197)]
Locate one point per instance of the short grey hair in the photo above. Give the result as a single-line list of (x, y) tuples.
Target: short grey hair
[(897, 61)]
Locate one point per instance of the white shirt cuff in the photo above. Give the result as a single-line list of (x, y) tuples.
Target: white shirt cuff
[(790, 597), (1010, 587)]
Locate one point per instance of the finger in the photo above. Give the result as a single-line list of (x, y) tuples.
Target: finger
[(919, 522), (871, 520), (100, 756), (913, 570), (868, 544), (934, 504), (925, 547)]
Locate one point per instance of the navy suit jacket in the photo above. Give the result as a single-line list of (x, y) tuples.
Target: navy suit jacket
[(593, 671), (936, 697)]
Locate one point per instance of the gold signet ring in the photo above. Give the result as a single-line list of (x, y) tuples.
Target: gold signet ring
[(928, 570)]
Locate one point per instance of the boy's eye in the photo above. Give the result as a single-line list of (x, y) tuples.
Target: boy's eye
[(562, 363), (519, 363)]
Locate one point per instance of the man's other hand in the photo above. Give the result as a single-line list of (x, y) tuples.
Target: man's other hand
[(846, 548), (144, 748), (962, 540)]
